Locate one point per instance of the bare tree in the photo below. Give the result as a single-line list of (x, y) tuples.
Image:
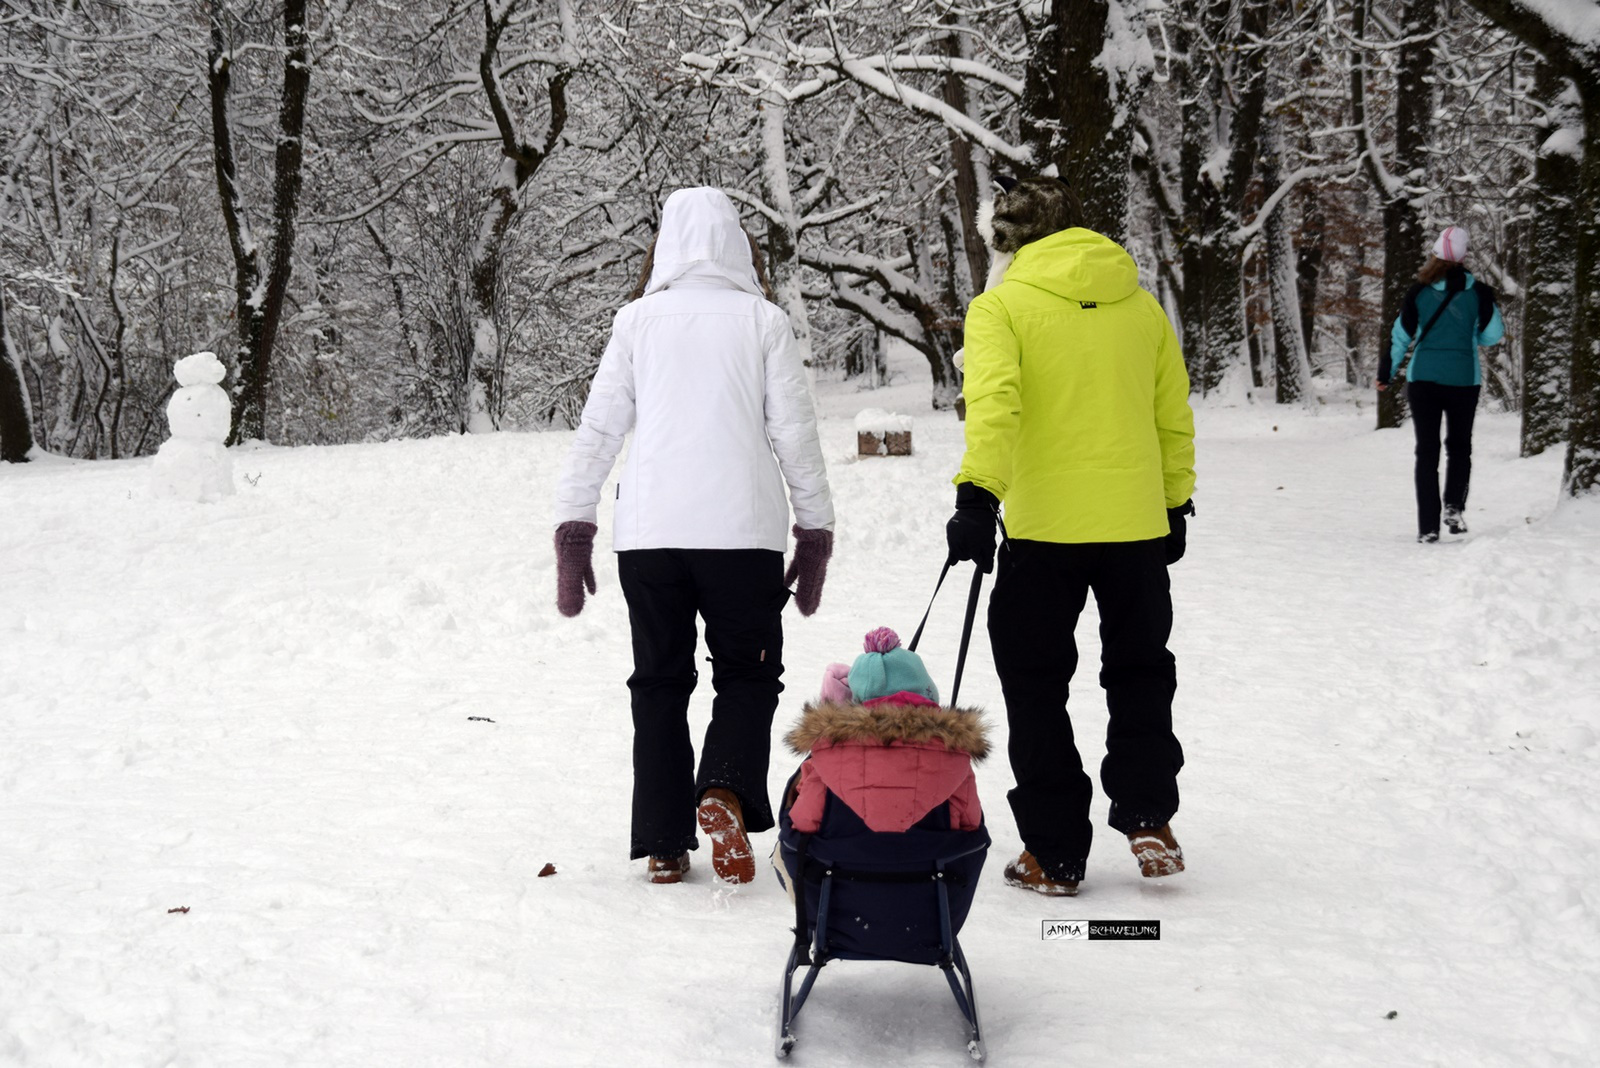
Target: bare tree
[(1392, 178), (470, 90), (1547, 343), (1222, 90), (261, 274), (1562, 39), (16, 421)]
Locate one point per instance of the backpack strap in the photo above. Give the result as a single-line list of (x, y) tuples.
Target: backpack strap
[(1449, 295), (1486, 301), (1408, 309)]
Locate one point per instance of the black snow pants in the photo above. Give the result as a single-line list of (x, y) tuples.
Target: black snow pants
[(740, 595), (1455, 406), (1040, 589)]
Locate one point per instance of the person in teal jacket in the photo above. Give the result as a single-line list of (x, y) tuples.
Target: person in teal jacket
[(1449, 315)]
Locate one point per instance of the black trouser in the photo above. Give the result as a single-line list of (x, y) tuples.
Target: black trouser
[(1455, 405), (1039, 592), (740, 595)]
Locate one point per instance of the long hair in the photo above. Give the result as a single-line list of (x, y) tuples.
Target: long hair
[(760, 263), (1434, 270), (757, 260), (644, 272)]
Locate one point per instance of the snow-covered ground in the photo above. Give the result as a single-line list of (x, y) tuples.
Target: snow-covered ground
[(338, 719)]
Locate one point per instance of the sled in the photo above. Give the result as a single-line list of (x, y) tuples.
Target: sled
[(873, 895)]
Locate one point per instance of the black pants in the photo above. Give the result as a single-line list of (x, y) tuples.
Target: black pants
[(740, 595), (1039, 592), (1455, 405)]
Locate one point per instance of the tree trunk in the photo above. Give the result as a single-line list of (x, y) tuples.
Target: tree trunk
[(971, 187), (1078, 111), (1194, 90), (1308, 267), (941, 326), (1291, 369), (481, 393), (1355, 269), (783, 238), (241, 242), (119, 349), (16, 420), (1582, 475), (256, 377), (1313, 229), (258, 301), (1547, 343), (1402, 226), (1577, 58), (1291, 366), (1218, 152)]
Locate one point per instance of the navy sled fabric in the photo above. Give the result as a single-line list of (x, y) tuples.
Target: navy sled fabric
[(862, 894)]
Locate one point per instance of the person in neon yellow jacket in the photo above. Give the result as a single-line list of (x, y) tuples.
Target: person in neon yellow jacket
[(1078, 421)]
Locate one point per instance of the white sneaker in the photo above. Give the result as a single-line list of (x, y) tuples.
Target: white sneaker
[(1454, 522)]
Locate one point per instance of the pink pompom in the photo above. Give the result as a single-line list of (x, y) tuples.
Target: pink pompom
[(882, 640)]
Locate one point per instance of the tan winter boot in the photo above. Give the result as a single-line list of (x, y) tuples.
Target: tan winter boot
[(723, 821), (668, 869), (1026, 873), (1157, 851)]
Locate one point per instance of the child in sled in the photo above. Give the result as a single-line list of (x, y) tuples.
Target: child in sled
[(881, 837), (879, 742)]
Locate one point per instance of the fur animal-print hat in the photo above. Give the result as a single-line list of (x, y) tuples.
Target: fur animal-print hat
[(1022, 212), (1031, 209)]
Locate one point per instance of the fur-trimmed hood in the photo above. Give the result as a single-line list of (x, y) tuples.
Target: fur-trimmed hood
[(960, 729)]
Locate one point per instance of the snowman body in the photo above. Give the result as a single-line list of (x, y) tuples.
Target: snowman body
[(192, 464)]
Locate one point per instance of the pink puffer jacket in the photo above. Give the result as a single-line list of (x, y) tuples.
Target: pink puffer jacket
[(892, 760)]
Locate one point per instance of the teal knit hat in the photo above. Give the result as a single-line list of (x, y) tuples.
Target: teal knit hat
[(886, 668)]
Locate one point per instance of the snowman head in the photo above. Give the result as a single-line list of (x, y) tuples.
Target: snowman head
[(201, 369)]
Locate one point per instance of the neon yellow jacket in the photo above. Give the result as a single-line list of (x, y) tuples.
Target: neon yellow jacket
[(1078, 413)]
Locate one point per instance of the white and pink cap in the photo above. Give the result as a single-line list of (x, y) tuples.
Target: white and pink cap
[(1452, 244)]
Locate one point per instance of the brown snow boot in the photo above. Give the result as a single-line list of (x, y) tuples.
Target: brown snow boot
[(1157, 851), (1026, 873), (668, 869), (723, 821)]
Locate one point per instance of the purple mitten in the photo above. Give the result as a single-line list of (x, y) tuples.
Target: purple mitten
[(810, 564), (574, 564)]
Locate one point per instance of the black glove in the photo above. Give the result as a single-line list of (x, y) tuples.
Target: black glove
[(1177, 531), (970, 532)]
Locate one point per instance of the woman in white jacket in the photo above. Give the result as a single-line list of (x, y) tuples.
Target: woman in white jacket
[(705, 373)]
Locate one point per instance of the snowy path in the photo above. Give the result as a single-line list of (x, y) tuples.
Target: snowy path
[(264, 710)]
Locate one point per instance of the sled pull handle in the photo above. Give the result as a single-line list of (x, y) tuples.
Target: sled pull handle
[(966, 626)]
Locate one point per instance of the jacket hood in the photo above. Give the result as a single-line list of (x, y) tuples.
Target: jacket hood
[(1076, 264), (701, 239), (958, 728)]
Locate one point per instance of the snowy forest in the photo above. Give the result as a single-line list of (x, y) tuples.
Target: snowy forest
[(401, 220)]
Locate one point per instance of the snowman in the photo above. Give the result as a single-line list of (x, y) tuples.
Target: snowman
[(192, 465)]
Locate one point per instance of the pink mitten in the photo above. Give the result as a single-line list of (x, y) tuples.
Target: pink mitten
[(836, 684)]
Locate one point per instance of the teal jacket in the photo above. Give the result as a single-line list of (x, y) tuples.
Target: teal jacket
[(1448, 354)]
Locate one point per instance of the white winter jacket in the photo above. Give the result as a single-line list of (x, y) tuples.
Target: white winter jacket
[(706, 374)]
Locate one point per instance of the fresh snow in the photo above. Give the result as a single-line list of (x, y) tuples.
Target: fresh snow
[(878, 421), (1576, 20), (338, 719)]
